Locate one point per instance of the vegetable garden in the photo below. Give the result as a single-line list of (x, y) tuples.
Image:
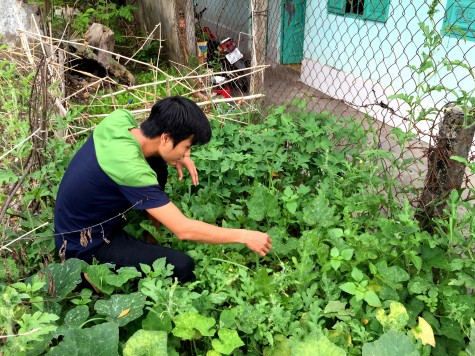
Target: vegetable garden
[(351, 271)]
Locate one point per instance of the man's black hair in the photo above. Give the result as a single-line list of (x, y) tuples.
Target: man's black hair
[(180, 118)]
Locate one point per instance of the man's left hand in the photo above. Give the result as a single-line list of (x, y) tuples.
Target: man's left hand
[(188, 163)]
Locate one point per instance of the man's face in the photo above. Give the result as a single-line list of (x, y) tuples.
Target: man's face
[(173, 154)]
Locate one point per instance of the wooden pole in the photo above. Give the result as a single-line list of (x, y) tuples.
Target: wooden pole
[(259, 35), (455, 138)]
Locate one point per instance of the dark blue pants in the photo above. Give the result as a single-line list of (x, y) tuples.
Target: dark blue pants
[(125, 250)]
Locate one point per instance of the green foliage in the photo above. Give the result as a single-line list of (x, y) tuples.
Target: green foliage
[(391, 343), (105, 12), (146, 343), (342, 278), (102, 339)]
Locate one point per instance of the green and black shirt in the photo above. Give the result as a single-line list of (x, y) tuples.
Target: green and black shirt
[(106, 177)]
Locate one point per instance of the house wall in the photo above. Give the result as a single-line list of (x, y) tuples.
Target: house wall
[(363, 62)]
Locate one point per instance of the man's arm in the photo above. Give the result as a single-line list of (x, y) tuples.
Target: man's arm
[(195, 230)]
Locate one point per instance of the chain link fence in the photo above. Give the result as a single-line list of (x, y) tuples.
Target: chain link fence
[(399, 62)]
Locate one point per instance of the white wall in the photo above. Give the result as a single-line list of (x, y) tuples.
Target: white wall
[(364, 62)]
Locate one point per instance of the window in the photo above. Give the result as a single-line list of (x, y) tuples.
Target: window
[(373, 10), (459, 20)]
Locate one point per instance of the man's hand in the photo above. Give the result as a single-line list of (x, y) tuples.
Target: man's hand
[(258, 242), (188, 163)]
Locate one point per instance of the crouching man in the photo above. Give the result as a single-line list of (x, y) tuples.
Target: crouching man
[(124, 166)]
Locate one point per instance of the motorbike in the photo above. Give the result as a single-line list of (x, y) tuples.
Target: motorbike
[(227, 54)]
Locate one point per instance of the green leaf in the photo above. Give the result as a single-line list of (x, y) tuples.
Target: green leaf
[(157, 321), (262, 204), (249, 317), (146, 343), (123, 275), (349, 287), (347, 254), (97, 275), (397, 318), (419, 285), (192, 325), (121, 308), (316, 345), (357, 274), (77, 315), (318, 212), (227, 318), (227, 342), (372, 298), (36, 325), (61, 279), (334, 252), (281, 347), (102, 339), (392, 276), (335, 264), (391, 343), (338, 309)]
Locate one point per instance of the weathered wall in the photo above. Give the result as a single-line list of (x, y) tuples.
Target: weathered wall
[(15, 15), (179, 42)]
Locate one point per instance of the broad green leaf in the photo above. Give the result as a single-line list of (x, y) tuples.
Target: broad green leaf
[(98, 340), (335, 308), (419, 285), (121, 308), (393, 276), (347, 254), (335, 233), (334, 252), (227, 342), (397, 318), (97, 275), (318, 213), (391, 343), (61, 279), (146, 343), (424, 332), (192, 325), (335, 264), (157, 320), (249, 318), (228, 318), (77, 315), (262, 204), (123, 275), (281, 347), (349, 287), (372, 298), (357, 274), (316, 345)]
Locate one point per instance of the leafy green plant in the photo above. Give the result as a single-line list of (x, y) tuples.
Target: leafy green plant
[(107, 13), (341, 277)]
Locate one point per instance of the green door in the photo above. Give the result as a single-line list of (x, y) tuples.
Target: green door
[(293, 25)]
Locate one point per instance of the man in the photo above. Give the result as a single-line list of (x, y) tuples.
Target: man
[(121, 167)]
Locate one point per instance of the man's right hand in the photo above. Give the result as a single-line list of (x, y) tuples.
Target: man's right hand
[(257, 241)]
